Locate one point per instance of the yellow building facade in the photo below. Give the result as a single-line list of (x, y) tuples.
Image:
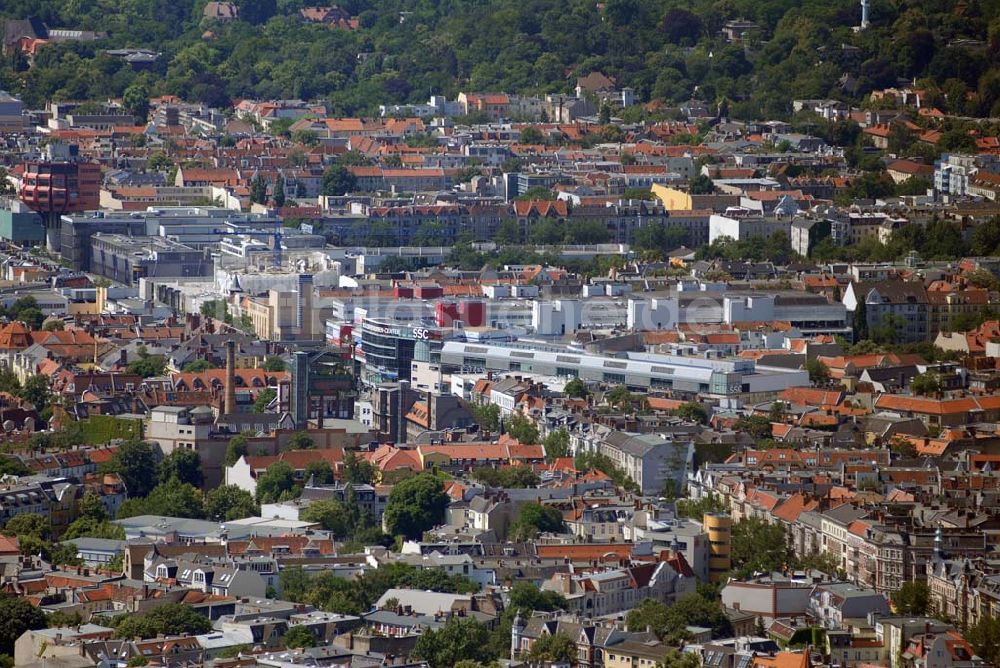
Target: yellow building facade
[(672, 198), (719, 528)]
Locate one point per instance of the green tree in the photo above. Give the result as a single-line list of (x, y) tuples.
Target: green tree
[(556, 445), (159, 162), (299, 637), (257, 11), (702, 185), (619, 397), (819, 373), (278, 192), (28, 524), (6, 187), (696, 509), (236, 448), (135, 463), (680, 26), (300, 440), (197, 366), (330, 514), (357, 470), (147, 366), (182, 464), (523, 429), (232, 652), (861, 319), (675, 658), (172, 498), (986, 237), (36, 392), (527, 598), (913, 598), (692, 411), (460, 639), (264, 399), (62, 619), (902, 446), (319, 472), (9, 381), (531, 135), (276, 483), (536, 194), (759, 547), (135, 100), (757, 426), (553, 648), (984, 636), (508, 232), (31, 316), (576, 389), (17, 615), (215, 308), (983, 278), (229, 502), (11, 466), (273, 364), (669, 622), (92, 507), (638, 193), (415, 505), (487, 416), (534, 519), (166, 619), (586, 461), (87, 527), (925, 384), (338, 181), (516, 477), (258, 189)]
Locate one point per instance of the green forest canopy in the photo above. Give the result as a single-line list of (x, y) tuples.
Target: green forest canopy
[(664, 49)]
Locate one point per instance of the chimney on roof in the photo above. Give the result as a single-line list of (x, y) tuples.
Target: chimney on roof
[(230, 400)]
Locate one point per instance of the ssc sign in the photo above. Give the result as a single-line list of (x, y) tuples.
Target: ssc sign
[(420, 334)]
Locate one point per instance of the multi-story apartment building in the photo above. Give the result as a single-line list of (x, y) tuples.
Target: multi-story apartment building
[(901, 306), (619, 590)]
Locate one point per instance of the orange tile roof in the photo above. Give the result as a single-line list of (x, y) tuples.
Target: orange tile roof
[(927, 406), (663, 404), (299, 459), (541, 208), (790, 508), (809, 396), (783, 660)]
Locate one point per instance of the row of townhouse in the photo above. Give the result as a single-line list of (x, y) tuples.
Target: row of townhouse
[(58, 499), (965, 590), (617, 590), (880, 546), (917, 312), (654, 462), (445, 223)]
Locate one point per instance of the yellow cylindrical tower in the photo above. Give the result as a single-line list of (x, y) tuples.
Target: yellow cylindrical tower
[(719, 527)]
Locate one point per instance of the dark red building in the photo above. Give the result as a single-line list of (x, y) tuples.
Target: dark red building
[(55, 188)]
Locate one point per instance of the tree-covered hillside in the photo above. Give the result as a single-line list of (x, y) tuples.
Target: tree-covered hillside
[(406, 49)]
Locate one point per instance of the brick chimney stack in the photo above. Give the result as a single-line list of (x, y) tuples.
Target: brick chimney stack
[(230, 404)]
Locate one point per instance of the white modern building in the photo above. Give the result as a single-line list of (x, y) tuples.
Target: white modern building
[(641, 371), (737, 224)]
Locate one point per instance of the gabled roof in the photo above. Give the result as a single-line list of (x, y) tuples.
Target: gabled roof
[(542, 208)]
